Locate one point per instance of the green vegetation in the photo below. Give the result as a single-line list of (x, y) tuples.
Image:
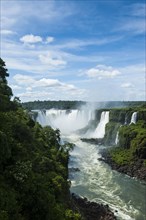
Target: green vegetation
[(110, 134), (132, 144), (53, 104), (33, 165), (132, 137), (121, 156)]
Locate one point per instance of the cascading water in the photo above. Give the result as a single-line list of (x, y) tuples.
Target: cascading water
[(117, 138), (133, 118), (96, 180), (66, 120), (100, 130), (41, 117), (99, 183)]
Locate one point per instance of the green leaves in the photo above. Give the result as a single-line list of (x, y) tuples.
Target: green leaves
[(33, 164)]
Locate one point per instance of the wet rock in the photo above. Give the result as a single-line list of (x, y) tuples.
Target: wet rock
[(92, 210), (98, 141), (74, 169)]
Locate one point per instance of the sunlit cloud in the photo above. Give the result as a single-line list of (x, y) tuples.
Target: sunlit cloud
[(52, 48), (102, 71), (49, 39), (30, 38), (52, 60)]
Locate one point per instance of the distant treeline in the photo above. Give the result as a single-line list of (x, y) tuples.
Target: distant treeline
[(53, 104), (76, 104)]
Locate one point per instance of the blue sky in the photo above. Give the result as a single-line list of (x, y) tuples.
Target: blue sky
[(75, 50)]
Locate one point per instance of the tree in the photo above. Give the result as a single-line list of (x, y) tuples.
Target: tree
[(3, 71), (5, 90)]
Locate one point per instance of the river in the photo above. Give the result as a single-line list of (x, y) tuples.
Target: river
[(126, 196)]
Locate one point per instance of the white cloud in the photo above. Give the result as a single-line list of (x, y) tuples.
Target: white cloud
[(137, 69), (30, 38), (15, 87), (31, 96), (7, 32), (136, 26), (47, 83), (102, 71), (127, 85), (24, 80), (49, 39), (30, 83), (44, 88), (52, 59), (138, 9), (28, 89)]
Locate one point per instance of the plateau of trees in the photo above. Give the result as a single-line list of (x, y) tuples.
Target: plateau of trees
[(53, 104)]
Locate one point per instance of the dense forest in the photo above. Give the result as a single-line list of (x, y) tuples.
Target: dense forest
[(53, 104), (77, 104), (128, 155), (33, 164)]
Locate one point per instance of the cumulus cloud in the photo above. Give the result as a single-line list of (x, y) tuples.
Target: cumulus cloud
[(45, 88), (52, 60), (30, 38), (49, 39), (127, 85), (102, 71), (24, 79), (30, 82), (47, 83)]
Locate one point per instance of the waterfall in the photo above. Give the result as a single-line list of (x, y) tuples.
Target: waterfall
[(117, 138), (134, 118), (67, 121), (100, 130), (41, 118)]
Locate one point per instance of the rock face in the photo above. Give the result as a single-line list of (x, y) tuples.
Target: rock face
[(92, 210), (98, 141)]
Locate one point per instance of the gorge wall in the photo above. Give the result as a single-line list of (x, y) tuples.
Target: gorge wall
[(123, 128)]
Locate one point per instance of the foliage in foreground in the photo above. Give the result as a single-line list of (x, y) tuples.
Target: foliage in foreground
[(33, 165)]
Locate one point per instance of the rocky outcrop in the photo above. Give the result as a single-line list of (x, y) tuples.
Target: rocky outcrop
[(98, 141), (136, 169), (92, 210)]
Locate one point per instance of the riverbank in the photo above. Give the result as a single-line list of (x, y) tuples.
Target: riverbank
[(91, 210), (136, 169)]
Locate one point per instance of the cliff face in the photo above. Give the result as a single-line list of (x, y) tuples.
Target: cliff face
[(129, 152), (120, 119)]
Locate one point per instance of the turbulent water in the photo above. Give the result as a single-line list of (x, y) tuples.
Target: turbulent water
[(96, 180)]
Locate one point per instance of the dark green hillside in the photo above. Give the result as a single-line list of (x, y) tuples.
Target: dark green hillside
[(33, 165), (129, 156), (132, 143)]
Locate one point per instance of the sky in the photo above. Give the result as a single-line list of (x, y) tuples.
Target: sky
[(91, 50)]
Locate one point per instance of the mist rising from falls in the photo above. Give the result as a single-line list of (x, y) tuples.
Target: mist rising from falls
[(67, 121), (72, 121)]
